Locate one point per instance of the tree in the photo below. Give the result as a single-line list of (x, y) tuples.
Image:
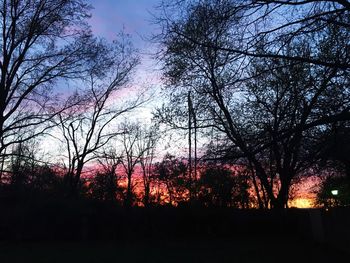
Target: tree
[(224, 186), (216, 186), (278, 104), (270, 109), (87, 125), (104, 186), (278, 22), (138, 146), (243, 183), (244, 26), (42, 41), (304, 19), (146, 147), (27, 175), (172, 173)]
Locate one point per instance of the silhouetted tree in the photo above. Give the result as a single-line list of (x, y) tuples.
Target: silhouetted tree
[(172, 172), (104, 186), (146, 145), (42, 41), (27, 174), (106, 183), (87, 125), (216, 186), (134, 150), (278, 22), (270, 108), (221, 186), (243, 184)]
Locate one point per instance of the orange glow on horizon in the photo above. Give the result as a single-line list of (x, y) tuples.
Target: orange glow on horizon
[(304, 194), (302, 202)]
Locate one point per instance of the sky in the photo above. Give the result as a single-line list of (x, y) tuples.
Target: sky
[(134, 16), (109, 17)]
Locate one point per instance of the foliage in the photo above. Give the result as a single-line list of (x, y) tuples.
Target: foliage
[(172, 172), (27, 178), (216, 186), (104, 187), (220, 186)]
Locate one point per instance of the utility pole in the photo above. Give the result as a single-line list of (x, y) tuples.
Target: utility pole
[(192, 118), (190, 142), (2, 165)]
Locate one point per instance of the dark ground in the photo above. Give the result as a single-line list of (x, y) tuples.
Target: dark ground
[(235, 249), (66, 231)]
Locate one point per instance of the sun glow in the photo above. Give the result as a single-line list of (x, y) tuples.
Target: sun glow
[(302, 203)]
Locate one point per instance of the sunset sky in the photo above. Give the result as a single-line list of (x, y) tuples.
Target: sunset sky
[(231, 103), (135, 17)]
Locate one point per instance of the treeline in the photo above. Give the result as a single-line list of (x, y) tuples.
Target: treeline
[(166, 184)]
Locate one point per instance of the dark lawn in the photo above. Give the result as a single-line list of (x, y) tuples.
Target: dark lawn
[(247, 249)]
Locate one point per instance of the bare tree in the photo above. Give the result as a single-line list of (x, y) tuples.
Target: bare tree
[(135, 147), (147, 147), (41, 42), (26, 173), (269, 108), (87, 126), (275, 22)]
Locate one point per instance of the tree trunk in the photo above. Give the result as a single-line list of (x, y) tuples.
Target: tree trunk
[(128, 200), (256, 188), (283, 195), (146, 197)]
